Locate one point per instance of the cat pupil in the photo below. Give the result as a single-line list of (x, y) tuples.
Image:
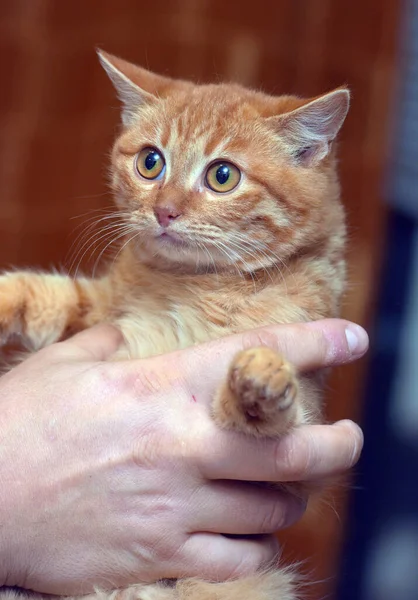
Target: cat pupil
[(222, 174), (151, 160)]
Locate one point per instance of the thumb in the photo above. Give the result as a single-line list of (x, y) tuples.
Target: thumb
[(309, 346), (97, 343)]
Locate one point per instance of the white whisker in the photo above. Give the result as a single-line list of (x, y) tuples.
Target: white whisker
[(90, 238), (76, 249), (95, 240), (134, 236), (123, 232)]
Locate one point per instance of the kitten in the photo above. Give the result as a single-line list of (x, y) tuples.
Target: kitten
[(234, 201)]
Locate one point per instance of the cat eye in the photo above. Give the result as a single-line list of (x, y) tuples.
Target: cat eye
[(150, 163), (223, 177)]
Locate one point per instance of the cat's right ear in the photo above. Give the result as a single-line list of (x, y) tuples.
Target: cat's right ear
[(309, 130), (135, 86)]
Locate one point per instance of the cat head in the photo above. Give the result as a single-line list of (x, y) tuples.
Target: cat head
[(220, 176)]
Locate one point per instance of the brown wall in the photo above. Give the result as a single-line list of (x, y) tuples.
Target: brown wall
[(58, 116)]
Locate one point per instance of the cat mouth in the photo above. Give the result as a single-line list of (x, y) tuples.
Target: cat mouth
[(170, 238)]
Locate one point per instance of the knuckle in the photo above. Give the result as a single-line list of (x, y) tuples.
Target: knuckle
[(294, 458), (147, 451), (158, 445), (318, 343), (154, 376), (103, 377), (147, 380), (156, 548), (161, 442), (260, 337), (170, 551)]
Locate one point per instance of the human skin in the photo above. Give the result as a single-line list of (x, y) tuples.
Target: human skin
[(114, 472)]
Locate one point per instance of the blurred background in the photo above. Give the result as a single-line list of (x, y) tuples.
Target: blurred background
[(59, 114)]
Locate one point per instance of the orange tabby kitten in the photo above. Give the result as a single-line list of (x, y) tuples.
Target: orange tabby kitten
[(234, 199)]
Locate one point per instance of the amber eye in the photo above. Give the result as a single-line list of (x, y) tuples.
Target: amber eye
[(150, 163), (223, 177)]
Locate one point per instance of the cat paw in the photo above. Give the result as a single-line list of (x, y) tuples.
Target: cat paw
[(9, 309), (260, 395), (264, 382)]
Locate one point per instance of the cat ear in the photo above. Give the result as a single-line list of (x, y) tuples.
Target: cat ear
[(309, 130), (135, 86)]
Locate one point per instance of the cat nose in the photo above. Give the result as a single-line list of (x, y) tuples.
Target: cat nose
[(166, 214)]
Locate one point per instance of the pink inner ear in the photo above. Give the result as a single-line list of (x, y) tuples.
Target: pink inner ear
[(306, 155), (303, 152)]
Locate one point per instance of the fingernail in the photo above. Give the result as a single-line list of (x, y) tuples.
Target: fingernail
[(357, 339), (353, 426), (358, 432), (349, 423)]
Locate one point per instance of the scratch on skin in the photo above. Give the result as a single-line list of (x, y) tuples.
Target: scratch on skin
[(194, 398)]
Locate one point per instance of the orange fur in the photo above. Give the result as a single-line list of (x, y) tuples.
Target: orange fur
[(268, 251)]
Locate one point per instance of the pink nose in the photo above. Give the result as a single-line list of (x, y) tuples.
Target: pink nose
[(166, 214)]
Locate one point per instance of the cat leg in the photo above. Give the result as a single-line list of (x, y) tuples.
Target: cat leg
[(260, 395), (42, 308)]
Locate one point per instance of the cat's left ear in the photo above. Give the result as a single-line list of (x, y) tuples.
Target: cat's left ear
[(135, 86), (309, 130)]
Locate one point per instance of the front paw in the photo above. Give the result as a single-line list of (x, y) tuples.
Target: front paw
[(264, 382), (260, 395), (11, 307)]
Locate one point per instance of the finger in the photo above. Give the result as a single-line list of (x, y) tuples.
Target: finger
[(96, 343), (215, 558), (308, 346), (309, 452), (243, 509)]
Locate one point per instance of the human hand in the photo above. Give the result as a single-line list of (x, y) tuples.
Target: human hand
[(114, 473)]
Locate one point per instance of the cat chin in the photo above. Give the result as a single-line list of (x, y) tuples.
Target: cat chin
[(173, 248), (187, 258), (165, 252)]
